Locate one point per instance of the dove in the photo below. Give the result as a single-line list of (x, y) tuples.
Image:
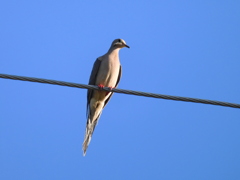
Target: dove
[(106, 72)]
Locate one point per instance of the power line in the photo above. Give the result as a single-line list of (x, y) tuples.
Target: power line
[(137, 93)]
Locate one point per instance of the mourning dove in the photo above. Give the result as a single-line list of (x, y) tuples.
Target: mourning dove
[(106, 72)]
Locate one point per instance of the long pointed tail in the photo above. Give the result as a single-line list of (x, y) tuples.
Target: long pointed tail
[(88, 135)]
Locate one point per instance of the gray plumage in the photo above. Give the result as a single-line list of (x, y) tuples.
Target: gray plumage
[(106, 72)]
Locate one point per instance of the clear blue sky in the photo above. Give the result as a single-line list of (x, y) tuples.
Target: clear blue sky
[(184, 48)]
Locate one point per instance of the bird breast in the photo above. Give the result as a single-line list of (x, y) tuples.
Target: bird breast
[(108, 72)]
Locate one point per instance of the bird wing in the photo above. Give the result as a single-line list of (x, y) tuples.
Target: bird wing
[(92, 81)]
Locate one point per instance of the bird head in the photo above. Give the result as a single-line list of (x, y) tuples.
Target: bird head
[(119, 43)]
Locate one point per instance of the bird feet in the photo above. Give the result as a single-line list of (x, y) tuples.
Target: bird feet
[(108, 91), (101, 86)]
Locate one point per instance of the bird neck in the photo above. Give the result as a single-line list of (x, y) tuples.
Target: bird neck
[(113, 50)]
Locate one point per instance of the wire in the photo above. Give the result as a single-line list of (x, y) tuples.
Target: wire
[(137, 93)]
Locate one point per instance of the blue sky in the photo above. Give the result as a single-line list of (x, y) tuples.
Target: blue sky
[(184, 48)]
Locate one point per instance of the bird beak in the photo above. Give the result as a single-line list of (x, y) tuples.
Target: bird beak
[(127, 46)]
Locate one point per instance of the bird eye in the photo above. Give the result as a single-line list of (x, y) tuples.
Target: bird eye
[(119, 40)]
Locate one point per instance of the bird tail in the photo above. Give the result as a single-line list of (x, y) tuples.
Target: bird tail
[(88, 134)]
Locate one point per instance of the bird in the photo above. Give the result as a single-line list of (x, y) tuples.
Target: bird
[(106, 72)]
